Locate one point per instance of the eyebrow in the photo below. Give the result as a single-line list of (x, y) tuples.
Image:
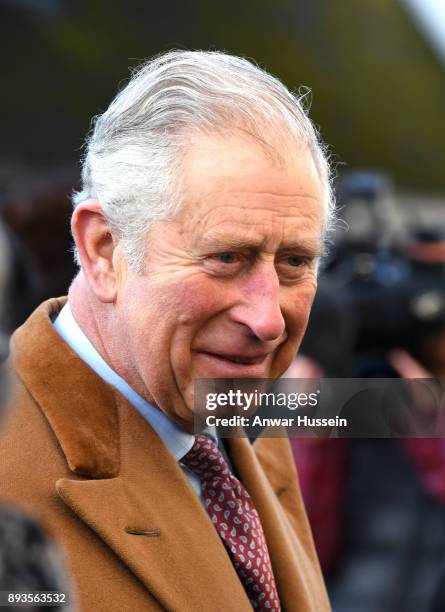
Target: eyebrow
[(226, 243)]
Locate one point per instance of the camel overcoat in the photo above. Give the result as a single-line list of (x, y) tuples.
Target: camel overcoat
[(135, 535)]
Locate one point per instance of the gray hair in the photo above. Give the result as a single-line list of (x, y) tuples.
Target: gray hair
[(133, 154)]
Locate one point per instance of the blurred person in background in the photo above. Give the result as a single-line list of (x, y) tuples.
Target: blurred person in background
[(37, 220), (203, 211), (29, 560), (377, 507), (20, 277)]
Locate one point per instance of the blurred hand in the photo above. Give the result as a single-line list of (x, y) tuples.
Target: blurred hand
[(406, 366), (426, 394), (304, 367)]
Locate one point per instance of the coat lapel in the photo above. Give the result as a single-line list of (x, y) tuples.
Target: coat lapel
[(154, 522), (268, 473), (79, 407)]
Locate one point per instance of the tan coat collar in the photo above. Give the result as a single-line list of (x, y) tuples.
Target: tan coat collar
[(155, 523), (66, 390)]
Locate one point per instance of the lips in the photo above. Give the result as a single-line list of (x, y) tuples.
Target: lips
[(222, 365), (241, 359)]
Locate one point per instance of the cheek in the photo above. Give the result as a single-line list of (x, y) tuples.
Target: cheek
[(298, 307), (178, 313), (197, 302)]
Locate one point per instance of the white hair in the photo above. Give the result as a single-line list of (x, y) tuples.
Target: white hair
[(134, 152)]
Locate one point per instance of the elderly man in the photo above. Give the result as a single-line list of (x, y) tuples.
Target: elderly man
[(204, 204)]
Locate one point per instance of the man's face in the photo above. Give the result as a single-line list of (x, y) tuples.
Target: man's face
[(228, 283)]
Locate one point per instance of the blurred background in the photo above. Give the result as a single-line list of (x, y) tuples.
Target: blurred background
[(376, 69)]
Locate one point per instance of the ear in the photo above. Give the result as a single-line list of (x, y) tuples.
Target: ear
[(96, 247)]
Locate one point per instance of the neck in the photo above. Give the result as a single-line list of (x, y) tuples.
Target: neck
[(91, 315), (98, 322)]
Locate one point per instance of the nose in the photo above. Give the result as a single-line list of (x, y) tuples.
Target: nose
[(260, 310)]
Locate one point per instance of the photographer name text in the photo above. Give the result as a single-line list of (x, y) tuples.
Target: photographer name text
[(259, 421)]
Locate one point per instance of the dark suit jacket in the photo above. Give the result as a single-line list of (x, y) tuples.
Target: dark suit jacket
[(135, 534)]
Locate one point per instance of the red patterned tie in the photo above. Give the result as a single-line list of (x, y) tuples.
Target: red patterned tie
[(235, 518)]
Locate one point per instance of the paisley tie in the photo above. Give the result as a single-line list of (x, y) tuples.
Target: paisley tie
[(235, 518)]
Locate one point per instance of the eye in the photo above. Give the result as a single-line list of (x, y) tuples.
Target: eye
[(295, 261), (293, 267), (227, 263), (227, 258)]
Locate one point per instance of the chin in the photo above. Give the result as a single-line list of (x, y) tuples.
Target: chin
[(183, 413)]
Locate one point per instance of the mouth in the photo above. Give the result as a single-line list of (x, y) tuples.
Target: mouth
[(241, 359), (235, 365)]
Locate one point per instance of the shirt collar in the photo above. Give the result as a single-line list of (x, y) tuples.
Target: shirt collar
[(177, 440)]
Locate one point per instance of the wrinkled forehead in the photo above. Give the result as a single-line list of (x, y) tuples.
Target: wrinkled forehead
[(237, 148), (232, 185), (269, 227)]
